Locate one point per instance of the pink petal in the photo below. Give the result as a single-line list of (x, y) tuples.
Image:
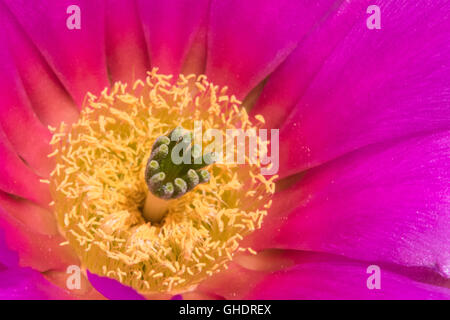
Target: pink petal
[(8, 257), (244, 273), (385, 203), (76, 56), (377, 85), (234, 283), (170, 29), (197, 295), (27, 284), (340, 280), (288, 83), (85, 292), (113, 289), (125, 44), (195, 61), (39, 251), (18, 179), (249, 39), (37, 218), (50, 101), (30, 138)]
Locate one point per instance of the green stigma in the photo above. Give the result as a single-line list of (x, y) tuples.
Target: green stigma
[(176, 166)]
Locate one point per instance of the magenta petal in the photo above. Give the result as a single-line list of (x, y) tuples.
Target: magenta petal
[(27, 284), (18, 179), (170, 28), (195, 61), (249, 39), (76, 56), (333, 280), (40, 251), (287, 83), (388, 202), (125, 44), (113, 289), (30, 139), (8, 257), (377, 85)]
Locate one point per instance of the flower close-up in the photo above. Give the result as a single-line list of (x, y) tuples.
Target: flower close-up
[(224, 149)]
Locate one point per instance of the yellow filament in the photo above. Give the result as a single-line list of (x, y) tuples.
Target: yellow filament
[(154, 208)]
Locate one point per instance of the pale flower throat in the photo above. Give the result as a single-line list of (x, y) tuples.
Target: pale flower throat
[(99, 186)]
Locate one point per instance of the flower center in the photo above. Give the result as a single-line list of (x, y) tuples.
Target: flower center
[(168, 179), (119, 149)]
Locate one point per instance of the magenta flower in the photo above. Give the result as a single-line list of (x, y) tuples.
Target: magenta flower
[(364, 119)]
